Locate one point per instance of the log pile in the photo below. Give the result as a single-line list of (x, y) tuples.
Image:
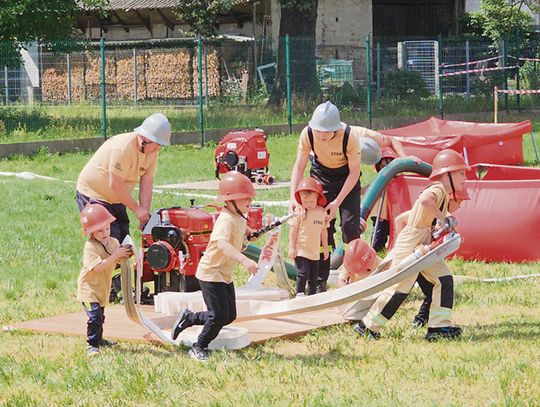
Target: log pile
[(162, 74)]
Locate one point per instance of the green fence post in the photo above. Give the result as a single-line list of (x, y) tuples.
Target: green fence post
[(505, 64), (368, 80), (518, 51), (199, 77), (6, 84), (439, 70), (288, 80), (378, 71), (103, 90)]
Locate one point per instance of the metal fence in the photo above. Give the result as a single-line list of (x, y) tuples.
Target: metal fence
[(371, 78)]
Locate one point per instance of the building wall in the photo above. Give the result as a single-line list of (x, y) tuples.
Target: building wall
[(160, 31)]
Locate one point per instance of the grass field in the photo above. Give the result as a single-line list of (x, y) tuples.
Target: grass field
[(496, 363), (51, 122)]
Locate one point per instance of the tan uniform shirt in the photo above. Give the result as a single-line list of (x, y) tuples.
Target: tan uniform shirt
[(94, 286), (330, 154), (310, 224), (119, 155), (214, 265), (418, 228)]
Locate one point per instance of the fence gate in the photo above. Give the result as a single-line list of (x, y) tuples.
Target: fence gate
[(421, 56)]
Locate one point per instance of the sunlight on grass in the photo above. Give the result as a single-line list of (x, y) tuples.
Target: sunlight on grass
[(495, 363)]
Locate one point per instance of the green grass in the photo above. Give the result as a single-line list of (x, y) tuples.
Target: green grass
[(49, 122), (496, 363)]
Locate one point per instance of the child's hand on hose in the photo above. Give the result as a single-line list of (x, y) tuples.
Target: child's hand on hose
[(250, 265), (123, 252)]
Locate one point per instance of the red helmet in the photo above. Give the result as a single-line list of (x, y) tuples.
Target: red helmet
[(95, 217), (310, 184), (447, 161), (360, 258), (235, 185)]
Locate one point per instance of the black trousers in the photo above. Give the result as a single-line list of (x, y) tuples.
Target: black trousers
[(220, 300), (308, 271), (381, 233), (120, 227)]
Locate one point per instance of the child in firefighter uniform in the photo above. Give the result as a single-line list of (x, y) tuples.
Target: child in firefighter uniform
[(215, 269), (429, 210), (422, 317), (335, 151), (308, 234), (101, 255)]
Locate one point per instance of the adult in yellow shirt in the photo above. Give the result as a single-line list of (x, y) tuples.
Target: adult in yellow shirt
[(335, 151), (122, 162)]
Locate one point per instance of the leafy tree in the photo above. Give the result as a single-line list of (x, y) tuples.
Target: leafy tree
[(202, 15), (298, 19), (24, 21), (501, 18)]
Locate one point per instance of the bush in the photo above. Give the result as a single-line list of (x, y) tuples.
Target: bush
[(404, 85), (347, 96), (30, 119), (484, 86)]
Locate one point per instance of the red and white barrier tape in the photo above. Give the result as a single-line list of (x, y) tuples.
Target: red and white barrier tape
[(480, 70), (443, 65), (530, 59), (518, 92)]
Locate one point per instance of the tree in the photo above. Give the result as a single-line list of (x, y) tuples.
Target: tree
[(298, 19), (24, 21), (203, 15), (502, 18)]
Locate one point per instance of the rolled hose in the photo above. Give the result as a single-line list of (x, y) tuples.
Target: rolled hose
[(371, 196)]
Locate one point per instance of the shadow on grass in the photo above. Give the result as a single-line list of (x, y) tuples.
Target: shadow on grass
[(503, 330)]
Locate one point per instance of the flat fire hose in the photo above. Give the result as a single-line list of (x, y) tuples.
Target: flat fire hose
[(132, 309), (360, 290)]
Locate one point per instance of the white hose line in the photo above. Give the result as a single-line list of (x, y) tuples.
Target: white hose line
[(32, 176), (468, 279)]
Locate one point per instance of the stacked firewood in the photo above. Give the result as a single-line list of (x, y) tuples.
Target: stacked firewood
[(161, 74)]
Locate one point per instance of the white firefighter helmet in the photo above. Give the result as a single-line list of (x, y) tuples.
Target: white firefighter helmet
[(370, 151), (326, 118), (156, 128)]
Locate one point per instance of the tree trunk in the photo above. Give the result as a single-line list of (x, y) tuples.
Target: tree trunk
[(300, 25)]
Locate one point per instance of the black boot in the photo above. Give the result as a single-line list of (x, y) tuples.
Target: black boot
[(181, 323), (361, 329), (448, 332), (422, 317), (321, 287)]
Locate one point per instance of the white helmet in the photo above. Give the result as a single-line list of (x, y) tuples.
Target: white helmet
[(156, 128), (326, 118), (370, 151)]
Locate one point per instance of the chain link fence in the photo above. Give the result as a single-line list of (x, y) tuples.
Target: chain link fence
[(63, 90)]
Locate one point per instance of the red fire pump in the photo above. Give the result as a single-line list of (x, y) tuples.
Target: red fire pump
[(244, 151), (174, 247)]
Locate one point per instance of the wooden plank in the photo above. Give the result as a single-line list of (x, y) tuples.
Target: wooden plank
[(118, 326)]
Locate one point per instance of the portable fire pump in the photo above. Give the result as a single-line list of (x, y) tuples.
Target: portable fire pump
[(174, 247), (244, 151)]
